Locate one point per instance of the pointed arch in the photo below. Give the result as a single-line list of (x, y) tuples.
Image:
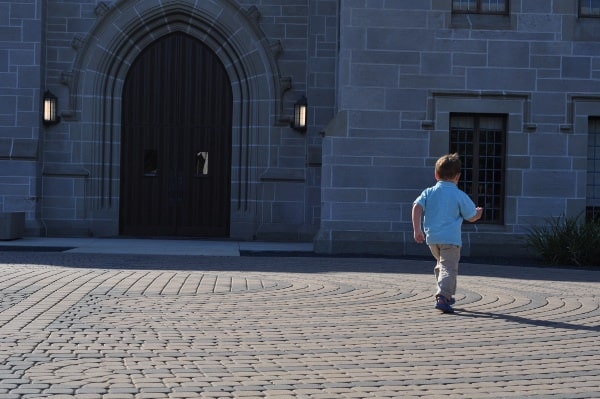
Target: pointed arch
[(99, 72)]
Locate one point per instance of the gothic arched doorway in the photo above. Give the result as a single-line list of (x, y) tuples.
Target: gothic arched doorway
[(176, 142)]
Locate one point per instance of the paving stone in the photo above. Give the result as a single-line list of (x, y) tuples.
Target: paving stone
[(313, 328)]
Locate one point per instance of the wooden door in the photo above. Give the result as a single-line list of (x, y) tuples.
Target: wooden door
[(176, 142)]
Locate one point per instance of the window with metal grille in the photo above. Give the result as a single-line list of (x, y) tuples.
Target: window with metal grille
[(592, 210), (481, 142), (480, 6), (589, 8)]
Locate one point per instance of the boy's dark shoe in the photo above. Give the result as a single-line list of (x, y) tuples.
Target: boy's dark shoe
[(441, 303), (451, 301)]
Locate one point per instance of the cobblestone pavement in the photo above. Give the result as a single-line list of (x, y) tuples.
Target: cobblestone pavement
[(120, 327)]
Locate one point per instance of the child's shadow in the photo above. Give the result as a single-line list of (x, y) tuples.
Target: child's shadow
[(524, 320)]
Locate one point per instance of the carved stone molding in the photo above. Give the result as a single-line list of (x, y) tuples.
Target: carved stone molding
[(66, 78), (77, 42), (102, 8), (276, 48), (285, 84), (254, 14)]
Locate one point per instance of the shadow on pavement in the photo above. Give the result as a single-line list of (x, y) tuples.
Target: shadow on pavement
[(525, 320)]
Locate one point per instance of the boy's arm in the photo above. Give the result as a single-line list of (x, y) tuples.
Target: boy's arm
[(417, 212)]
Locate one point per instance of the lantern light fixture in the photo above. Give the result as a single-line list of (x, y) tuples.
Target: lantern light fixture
[(300, 110), (50, 111)]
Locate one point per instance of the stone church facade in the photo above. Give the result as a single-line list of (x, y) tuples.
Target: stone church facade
[(175, 117)]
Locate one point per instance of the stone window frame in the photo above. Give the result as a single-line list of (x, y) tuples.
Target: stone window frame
[(517, 107), (592, 208), (580, 108)]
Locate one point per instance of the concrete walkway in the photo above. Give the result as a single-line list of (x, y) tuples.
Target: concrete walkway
[(100, 321), (153, 246)]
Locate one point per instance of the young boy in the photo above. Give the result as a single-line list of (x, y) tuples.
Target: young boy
[(444, 206)]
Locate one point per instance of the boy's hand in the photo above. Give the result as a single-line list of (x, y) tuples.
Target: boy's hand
[(419, 236), (477, 215), (417, 213)]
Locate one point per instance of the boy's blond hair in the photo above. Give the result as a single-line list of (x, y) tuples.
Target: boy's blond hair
[(448, 166)]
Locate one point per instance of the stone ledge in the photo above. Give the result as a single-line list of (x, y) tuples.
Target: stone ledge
[(477, 244), (65, 171), (18, 148), (283, 174)]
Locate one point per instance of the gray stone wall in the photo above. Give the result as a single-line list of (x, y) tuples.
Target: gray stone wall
[(276, 171), (405, 67), (307, 31), (20, 72), (381, 78), (66, 164)]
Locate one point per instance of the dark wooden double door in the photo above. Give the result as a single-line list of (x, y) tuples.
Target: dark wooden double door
[(176, 142)]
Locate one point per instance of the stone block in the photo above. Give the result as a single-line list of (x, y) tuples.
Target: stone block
[(12, 225), (5, 147), (520, 79), (556, 184), (576, 67), (25, 149)]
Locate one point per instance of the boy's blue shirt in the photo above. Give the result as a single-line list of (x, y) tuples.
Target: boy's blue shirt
[(445, 207)]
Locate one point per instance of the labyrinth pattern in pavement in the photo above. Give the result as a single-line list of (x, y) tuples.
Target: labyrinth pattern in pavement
[(110, 333)]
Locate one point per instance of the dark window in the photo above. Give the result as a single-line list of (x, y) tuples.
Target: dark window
[(480, 141), (593, 170), (480, 6), (589, 8)]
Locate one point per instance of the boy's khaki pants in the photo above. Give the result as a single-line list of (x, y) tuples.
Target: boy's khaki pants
[(446, 268)]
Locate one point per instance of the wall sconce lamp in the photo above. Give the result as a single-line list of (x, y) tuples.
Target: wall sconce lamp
[(299, 121), (50, 116)]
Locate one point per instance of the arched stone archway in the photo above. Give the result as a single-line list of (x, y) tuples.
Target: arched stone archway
[(104, 59)]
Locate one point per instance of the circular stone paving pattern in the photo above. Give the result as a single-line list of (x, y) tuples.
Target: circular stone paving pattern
[(330, 334)]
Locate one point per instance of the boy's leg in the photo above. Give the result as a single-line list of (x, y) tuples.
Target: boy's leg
[(446, 269), (435, 251)]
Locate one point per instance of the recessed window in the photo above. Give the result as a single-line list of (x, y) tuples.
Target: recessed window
[(480, 141), (589, 8), (480, 6), (592, 210)]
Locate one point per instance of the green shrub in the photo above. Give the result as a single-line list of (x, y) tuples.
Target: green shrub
[(567, 241)]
